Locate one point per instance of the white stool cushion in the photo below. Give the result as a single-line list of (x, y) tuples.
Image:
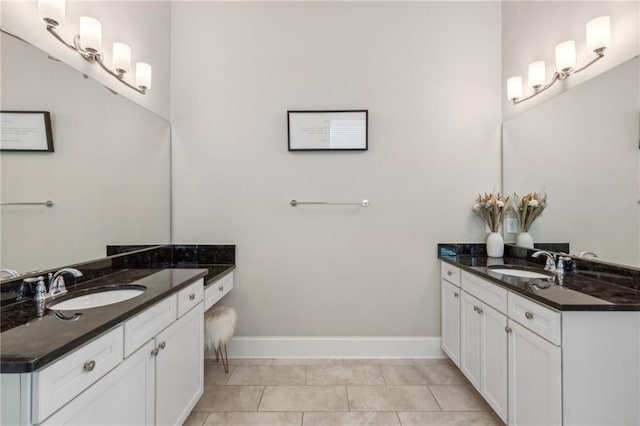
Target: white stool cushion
[(219, 325)]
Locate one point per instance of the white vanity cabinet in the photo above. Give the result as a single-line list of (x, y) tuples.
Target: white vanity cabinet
[(450, 319)]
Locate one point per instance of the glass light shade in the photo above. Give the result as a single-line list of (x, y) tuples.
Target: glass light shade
[(598, 33), (52, 10), (143, 75), (121, 57), (537, 73), (514, 88), (90, 34), (566, 56)]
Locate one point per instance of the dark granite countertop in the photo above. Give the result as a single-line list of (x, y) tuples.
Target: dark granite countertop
[(29, 342), (581, 291)]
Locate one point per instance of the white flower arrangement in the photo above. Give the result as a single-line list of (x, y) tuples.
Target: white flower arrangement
[(528, 208), (491, 208)]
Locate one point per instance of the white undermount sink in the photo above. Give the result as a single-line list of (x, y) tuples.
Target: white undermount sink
[(518, 272), (98, 298)]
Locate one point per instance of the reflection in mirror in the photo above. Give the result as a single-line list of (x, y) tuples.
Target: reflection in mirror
[(108, 175), (581, 147)]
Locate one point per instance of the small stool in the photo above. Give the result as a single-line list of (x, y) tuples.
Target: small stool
[(219, 325)]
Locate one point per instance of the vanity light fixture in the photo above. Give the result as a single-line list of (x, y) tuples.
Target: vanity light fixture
[(598, 39), (89, 45)]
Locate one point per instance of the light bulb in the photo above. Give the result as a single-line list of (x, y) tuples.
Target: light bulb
[(514, 88), (90, 34), (566, 56), (598, 34), (52, 11), (143, 76), (537, 75), (121, 58)]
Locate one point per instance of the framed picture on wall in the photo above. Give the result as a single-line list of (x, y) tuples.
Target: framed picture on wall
[(336, 130), (25, 131)]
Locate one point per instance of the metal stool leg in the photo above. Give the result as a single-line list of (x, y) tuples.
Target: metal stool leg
[(217, 355), (225, 359)]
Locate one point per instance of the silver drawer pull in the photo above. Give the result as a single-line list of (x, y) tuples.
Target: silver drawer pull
[(479, 310), (455, 294), (155, 351), (528, 315), (162, 345), (89, 365), (449, 273), (192, 296), (221, 288), (507, 329)]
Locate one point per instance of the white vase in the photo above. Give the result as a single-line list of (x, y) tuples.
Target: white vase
[(524, 240), (495, 245)]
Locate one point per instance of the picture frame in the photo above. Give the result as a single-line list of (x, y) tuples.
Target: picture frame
[(26, 131), (328, 130)]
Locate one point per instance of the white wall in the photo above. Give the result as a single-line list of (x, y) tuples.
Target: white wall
[(429, 74), (532, 29), (143, 25), (108, 175)]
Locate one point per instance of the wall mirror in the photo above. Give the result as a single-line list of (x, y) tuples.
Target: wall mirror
[(108, 177), (582, 148)]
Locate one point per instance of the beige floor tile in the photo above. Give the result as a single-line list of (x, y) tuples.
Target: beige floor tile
[(308, 361), (459, 398), (351, 419), (403, 375), (214, 373), (267, 375), (250, 361), (443, 374), (254, 419), (230, 398), (378, 361), (432, 361), (304, 398), (391, 398), (196, 418), (344, 375), (448, 419)]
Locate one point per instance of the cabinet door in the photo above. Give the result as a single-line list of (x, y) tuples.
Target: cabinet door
[(180, 367), (535, 387), (122, 397), (494, 360), (450, 295), (470, 338)]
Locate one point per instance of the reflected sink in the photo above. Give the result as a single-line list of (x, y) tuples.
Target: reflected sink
[(520, 271), (98, 297)]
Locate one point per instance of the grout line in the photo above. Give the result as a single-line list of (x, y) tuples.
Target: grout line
[(384, 379), (434, 398), (264, 388), (302, 420), (348, 402), (398, 416)]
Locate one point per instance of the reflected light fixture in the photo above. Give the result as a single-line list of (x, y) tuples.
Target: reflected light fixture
[(89, 45), (598, 39)]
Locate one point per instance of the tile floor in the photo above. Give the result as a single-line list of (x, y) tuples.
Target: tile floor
[(350, 392)]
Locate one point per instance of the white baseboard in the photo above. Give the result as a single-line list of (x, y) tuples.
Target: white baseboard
[(335, 347)]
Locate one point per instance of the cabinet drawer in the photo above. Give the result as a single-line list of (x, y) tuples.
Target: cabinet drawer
[(190, 297), (491, 294), (537, 318), (217, 290), (60, 382), (141, 328), (450, 273)]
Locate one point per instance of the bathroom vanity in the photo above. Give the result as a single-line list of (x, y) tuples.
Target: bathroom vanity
[(563, 355), (138, 361)]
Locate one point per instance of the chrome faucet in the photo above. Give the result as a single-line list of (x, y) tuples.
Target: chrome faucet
[(56, 281), (550, 264), (11, 272), (587, 253)]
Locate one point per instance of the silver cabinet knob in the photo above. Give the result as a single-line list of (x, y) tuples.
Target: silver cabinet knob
[(507, 329), (162, 345), (155, 352), (455, 294), (192, 296), (449, 273), (528, 315), (89, 365), (221, 288), (479, 310)]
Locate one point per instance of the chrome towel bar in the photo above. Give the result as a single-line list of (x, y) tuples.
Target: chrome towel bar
[(47, 203), (363, 203)]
